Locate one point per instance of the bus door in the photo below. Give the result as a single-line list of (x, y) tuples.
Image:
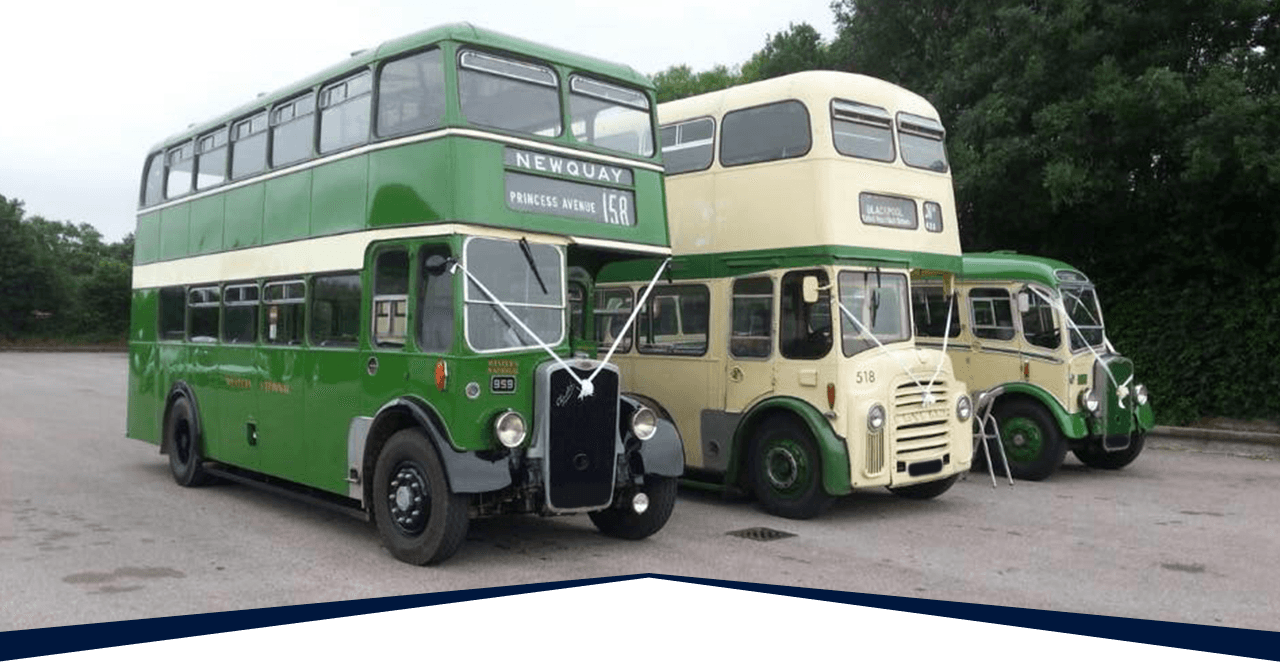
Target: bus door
[(278, 434), (997, 357), (338, 362)]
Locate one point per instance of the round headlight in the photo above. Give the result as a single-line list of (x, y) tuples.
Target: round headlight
[(1089, 402), (964, 407), (1140, 392), (875, 417), (644, 423), (509, 429)]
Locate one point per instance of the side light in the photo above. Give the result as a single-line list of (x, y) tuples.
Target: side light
[(644, 423), (509, 428), (1089, 402), (964, 408), (875, 418), (442, 375), (831, 395), (1140, 392)]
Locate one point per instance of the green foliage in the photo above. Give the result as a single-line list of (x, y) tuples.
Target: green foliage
[(1139, 141), (679, 81), (798, 48), (59, 280)]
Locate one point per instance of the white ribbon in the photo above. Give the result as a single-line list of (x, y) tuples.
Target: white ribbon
[(1122, 390), (946, 336)]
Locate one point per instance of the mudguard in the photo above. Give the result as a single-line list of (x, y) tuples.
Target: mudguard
[(835, 455), (467, 472)]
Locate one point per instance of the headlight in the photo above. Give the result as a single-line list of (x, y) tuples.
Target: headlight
[(964, 408), (1140, 392), (1089, 402), (875, 418), (509, 428), (644, 423)]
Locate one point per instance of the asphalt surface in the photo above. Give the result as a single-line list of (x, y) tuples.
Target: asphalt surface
[(93, 529)]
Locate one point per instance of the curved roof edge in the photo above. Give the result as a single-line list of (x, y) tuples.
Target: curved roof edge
[(1008, 265)]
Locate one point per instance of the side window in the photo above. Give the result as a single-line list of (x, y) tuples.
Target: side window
[(178, 181), (344, 112), (249, 146), (610, 116), (203, 306), (509, 94), (411, 94), (291, 130), (688, 146), (805, 329), (1040, 324), (335, 310), (577, 310), (992, 313), (922, 142), (391, 297), (240, 313), (613, 307), (674, 321), (765, 133), (283, 306), (860, 130), (929, 308), (173, 314), (435, 301), (752, 333), (153, 180), (211, 162)]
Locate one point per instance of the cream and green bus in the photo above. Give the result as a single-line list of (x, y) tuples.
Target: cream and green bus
[(1032, 328), (358, 287), (781, 341)]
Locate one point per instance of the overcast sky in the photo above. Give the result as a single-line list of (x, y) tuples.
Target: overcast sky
[(90, 86)]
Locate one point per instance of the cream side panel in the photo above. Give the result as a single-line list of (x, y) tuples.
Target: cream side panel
[(683, 385), (769, 205), (843, 180)]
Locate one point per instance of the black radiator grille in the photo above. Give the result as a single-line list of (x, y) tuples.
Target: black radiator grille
[(581, 436)]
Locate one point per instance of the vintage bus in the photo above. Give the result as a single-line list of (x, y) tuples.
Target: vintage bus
[(359, 287), (781, 343), (1032, 328)]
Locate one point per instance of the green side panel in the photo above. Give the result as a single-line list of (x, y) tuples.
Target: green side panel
[(236, 389), (281, 410), (142, 421), (338, 196), (175, 231), (146, 239), (411, 184), (834, 452), (1010, 266), (243, 225), (288, 208), (206, 225), (334, 383), (1074, 426)]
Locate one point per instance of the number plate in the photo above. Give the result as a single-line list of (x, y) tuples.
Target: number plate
[(502, 384)]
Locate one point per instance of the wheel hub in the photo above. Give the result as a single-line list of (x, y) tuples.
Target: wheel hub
[(407, 501), (782, 468)]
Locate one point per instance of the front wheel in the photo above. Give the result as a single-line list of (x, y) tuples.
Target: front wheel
[(1031, 440), (621, 520), (1094, 456), (183, 443), (925, 491), (786, 470), (419, 519)]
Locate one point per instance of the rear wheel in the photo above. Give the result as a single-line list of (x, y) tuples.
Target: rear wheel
[(419, 519), (621, 520), (183, 443), (1094, 456), (926, 491), (1031, 440), (786, 470)]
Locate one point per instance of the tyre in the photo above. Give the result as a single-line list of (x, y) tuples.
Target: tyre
[(622, 522), (926, 491), (419, 519), (786, 470), (1093, 455), (183, 442), (1034, 446)]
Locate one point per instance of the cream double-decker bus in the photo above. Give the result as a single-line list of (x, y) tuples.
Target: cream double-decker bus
[(781, 340)]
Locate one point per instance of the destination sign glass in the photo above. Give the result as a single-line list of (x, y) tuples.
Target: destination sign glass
[(558, 166), (544, 195), (888, 211)]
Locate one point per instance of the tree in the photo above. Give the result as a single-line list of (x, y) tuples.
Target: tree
[(798, 48), (679, 81)]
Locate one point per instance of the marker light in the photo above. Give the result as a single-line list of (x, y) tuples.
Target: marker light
[(831, 395), (509, 428), (442, 375)]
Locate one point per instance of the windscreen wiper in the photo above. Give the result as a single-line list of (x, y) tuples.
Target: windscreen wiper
[(528, 256)]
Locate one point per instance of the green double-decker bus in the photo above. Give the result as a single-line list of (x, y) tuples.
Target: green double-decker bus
[(361, 288)]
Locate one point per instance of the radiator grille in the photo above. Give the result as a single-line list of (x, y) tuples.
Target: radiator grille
[(917, 426), (581, 440)]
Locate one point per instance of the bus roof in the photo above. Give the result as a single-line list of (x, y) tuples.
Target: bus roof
[(1011, 266), (807, 86), (462, 32)]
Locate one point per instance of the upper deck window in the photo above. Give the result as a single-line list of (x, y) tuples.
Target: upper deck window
[(688, 146), (249, 146), (765, 133), (921, 139), (860, 130), (411, 93), (509, 94), (153, 180), (211, 164), (181, 159), (610, 116), (344, 112), (291, 130)]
